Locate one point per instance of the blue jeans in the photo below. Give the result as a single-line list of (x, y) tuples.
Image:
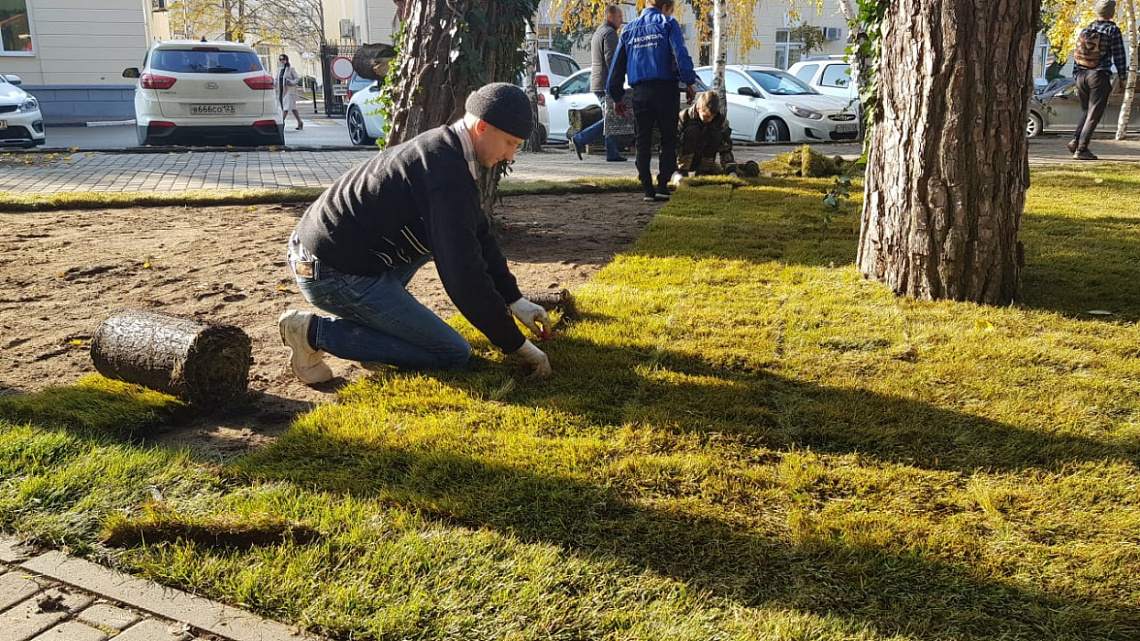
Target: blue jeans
[(379, 321), (591, 134)]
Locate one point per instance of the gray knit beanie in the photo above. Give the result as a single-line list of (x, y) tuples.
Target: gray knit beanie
[(1104, 7), (503, 105)]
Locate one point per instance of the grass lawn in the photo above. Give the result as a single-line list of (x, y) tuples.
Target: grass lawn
[(743, 439)]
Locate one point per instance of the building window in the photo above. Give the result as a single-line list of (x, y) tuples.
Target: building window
[(787, 51), (158, 5), (15, 29)]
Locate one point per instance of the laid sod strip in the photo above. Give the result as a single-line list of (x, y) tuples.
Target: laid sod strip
[(743, 439)]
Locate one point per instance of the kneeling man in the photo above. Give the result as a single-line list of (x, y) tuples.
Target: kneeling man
[(357, 247)]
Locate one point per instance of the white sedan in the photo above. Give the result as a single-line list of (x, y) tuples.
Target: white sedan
[(771, 105), (573, 93), (363, 118), (194, 92), (20, 120)]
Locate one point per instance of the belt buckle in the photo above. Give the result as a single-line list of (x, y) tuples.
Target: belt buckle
[(304, 268)]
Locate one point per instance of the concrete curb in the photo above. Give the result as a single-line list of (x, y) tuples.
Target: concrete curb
[(54, 569)]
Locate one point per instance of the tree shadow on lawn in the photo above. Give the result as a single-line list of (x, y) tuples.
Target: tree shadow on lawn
[(1093, 269), (898, 591), (739, 396)]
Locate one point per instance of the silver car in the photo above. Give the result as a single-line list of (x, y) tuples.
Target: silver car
[(1059, 110)]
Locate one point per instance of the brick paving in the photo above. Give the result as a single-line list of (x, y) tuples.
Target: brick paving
[(102, 171), (53, 597)]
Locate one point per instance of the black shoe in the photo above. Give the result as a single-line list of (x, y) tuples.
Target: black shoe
[(1072, 146), (650, 198), (577, 150), (662, 197), (1085, 155), (618, 159)]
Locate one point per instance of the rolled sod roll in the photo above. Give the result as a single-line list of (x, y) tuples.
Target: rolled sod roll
[(197, 362)]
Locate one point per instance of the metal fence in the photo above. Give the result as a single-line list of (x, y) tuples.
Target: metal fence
[(335, 89)]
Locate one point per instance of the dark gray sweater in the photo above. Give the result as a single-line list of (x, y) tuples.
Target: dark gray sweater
[(410, 200)]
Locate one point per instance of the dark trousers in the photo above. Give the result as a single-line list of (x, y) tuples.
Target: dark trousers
[(1094, 88), (655, 106), (698, 144)]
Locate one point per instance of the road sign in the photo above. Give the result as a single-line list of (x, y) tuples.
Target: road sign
[(341, 67)]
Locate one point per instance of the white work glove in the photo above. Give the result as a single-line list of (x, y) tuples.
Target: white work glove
[(533, 359), (531, 315)]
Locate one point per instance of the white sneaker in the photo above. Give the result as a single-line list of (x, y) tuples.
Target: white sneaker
[(307, 363)]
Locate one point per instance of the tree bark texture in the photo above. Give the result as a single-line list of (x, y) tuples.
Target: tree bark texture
[(948, 164), (451, 48)]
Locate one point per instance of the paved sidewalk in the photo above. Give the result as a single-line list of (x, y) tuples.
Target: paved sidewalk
[(103, 171), (53, 597)]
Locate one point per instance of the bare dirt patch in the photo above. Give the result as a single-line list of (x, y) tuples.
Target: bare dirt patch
[(63, 272)]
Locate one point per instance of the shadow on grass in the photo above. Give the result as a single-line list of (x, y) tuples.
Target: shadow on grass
[(1074, 265), (739, 396), (101, 408), (895, 591)]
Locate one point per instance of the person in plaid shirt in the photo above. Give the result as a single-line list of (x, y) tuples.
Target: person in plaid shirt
[(1094, 77)]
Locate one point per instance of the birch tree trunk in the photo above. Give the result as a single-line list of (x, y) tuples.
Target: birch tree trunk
[(1133, 65), (948, 165), (720, 50)]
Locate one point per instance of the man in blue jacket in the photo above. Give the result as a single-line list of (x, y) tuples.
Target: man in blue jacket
[(652, 53)]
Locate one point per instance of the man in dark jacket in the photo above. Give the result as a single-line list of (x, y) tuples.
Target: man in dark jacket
[(704, 133), (652, 53), (602, 48), (358, 245), (1100, 46)]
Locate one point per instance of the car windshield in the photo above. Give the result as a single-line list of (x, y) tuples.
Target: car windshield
[(779, 83), (205, 60)]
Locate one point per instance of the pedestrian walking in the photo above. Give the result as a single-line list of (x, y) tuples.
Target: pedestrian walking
[(602, 48), (1100, 47), (359, 244), (652, 53), (288, 90)]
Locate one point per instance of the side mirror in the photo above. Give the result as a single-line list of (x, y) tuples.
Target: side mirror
[(13, 78), (748, 91), (554, 92), (131, 72), (374, 87)]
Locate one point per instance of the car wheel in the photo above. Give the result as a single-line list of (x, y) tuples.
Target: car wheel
[(1033, 127), (542, 135), (357, 133), (773, 130)]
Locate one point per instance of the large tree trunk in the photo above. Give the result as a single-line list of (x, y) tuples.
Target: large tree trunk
[(449, 49), (948, 165)]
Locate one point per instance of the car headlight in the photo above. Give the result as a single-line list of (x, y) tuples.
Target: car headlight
[(805, 113), (31, 104)]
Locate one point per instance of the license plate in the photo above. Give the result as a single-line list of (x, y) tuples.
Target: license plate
[(843, 129), (212, 110), (3, 124)]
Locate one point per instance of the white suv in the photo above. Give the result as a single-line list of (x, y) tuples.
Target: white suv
[(20, 121), (192, 92)]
